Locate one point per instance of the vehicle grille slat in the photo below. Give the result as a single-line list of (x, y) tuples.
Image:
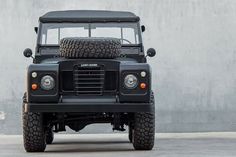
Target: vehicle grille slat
[(89, 75), (89, 70), (88, 83), (94, 87), (88, 80), (88, 92)]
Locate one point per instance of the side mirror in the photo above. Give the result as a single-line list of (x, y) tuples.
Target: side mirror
[(36, 29), (28, 52), (143, 28), (151, 52)]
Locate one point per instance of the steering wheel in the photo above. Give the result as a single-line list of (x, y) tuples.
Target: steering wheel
[(126, 41)]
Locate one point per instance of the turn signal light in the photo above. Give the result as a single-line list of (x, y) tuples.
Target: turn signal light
[(143, 85), (34, 86)]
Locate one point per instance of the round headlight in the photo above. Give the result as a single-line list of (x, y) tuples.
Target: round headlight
[(130, 81), (47, 82)]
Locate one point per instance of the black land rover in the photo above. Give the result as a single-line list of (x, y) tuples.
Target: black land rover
[(89, 67)]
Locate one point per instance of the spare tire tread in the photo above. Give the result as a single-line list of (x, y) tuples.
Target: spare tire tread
[(90, 47)]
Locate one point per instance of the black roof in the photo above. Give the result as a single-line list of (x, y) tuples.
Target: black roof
[(88, 16)]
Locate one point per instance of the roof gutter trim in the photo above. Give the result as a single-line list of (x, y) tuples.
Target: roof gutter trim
[(89, 20)]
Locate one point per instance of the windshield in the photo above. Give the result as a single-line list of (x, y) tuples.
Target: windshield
[(52, 33)]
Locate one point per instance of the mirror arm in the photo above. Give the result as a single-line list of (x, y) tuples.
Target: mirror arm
[(32, 58)]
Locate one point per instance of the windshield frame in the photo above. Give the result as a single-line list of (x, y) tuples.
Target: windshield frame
[(138, 30)]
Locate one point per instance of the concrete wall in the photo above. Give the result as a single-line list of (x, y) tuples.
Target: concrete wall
[(194, 75)]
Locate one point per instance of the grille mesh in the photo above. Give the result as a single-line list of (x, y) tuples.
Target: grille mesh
[(88, 80)]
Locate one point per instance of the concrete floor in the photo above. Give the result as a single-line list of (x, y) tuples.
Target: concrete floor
[(89, 145)]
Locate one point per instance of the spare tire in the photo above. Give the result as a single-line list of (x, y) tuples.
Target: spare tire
[(90, 47)]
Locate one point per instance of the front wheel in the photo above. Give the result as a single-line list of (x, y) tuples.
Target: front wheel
[(49, 136), (144, 129), (130, 134), (33, 132)]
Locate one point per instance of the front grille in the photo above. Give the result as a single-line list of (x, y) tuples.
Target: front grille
[(88, 80)]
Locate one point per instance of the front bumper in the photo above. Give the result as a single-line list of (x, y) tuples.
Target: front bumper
[(87, 104), (87, 107)]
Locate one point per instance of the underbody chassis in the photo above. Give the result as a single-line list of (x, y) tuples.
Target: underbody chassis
[(77, 113)]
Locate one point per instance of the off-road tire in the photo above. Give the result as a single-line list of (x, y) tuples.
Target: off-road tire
[(144, 128), (33, 131), (49, 136), (90, 47), (130, 134)]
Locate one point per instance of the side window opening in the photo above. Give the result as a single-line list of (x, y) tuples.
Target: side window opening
[(73, 32), (129, 34), (106, 32), (52, 36)]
